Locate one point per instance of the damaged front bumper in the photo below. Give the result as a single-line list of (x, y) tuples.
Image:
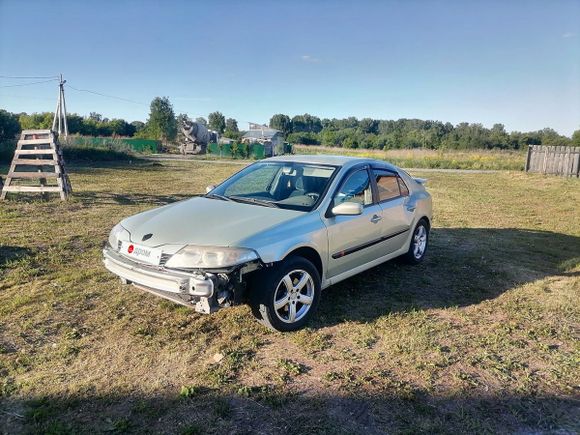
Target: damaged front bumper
[(205, 291)]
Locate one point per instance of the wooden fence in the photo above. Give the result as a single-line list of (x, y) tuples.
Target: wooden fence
[(560, 160)]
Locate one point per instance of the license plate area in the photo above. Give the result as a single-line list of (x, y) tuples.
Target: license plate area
[(142, 254)]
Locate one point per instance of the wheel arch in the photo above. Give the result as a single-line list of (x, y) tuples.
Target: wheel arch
[(426, 219), (311, 255)]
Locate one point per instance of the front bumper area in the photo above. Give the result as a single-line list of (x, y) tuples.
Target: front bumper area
[(185, 288)]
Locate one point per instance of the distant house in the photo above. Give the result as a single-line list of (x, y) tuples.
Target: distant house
[(273, 140), (225, 140)]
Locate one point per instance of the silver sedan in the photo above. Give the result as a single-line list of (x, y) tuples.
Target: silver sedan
[(274, 235)]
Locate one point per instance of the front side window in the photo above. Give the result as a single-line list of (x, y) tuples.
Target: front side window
[(357, 188)]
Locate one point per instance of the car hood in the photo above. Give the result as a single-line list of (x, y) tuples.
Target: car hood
[(204, 221)]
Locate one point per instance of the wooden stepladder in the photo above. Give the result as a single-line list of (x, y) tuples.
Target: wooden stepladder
[(38, 156)]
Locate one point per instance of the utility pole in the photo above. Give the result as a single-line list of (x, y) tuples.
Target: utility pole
[(60, 113)]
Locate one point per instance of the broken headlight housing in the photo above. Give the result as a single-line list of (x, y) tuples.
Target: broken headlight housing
[(209, 257), (117, 235)]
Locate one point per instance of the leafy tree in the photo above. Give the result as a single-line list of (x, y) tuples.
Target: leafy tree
[(36, 121), (368, 125), (306, 123), (576, 138), (74, 123), (120, 127), (217, 122), (138, 126), (201, 120), (232, 125), (232, 131), (281, 122), (161, 124), (181, 119), (97, 117), (498, 137), (9, 126)]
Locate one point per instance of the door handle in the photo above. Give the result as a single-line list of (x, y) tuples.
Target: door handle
[(375, 219), (411, 208)]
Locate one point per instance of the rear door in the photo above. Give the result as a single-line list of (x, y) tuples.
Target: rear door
[(354, 240), (392, 196)]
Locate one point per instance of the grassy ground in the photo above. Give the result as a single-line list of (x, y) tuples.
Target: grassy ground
[(442, 159), (482, 337)]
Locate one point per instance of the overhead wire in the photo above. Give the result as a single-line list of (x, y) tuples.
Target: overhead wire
[(28, 77), (105, 95), (119, 98), (56, 78), (28, 84)]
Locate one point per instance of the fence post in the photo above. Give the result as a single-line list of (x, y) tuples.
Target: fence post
[(528, 158)]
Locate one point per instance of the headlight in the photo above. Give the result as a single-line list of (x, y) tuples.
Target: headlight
[(118, 233), (192, 257)]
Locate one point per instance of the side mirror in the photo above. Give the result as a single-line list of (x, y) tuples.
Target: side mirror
[(347, 208), (209, 188)]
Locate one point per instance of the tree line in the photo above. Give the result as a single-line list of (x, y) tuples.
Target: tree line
[(163, 124), (409, 133)]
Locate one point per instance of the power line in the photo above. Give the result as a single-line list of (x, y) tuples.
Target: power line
[(28, 84), (177, 109), (28, 77), (105, 95)]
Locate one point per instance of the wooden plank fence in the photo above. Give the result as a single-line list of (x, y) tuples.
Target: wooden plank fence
[(559, 160)]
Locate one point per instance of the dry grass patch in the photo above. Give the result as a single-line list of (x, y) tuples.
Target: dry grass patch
[(436, 159), (483, 336)]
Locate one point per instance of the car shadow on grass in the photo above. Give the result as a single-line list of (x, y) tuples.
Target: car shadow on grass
[(101, 166), (91, 198), (271, 411), (9, 254), (463, 266)]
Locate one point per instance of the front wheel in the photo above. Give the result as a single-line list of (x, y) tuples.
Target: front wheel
[(285, 297), (419, 243)]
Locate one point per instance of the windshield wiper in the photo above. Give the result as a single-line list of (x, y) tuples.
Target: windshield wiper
[(257, 201), (217, 196)]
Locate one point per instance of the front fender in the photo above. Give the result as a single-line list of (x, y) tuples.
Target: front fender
[(277, 242)]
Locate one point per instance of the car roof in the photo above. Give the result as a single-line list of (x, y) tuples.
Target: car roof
[(327, 159)]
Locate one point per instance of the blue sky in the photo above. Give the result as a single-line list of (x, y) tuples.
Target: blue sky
[(514, 62)]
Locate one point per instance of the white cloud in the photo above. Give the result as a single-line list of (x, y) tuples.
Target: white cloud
[(310, 59), (568, 35)]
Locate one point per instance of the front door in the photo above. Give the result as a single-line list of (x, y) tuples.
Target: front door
[(352, 240)]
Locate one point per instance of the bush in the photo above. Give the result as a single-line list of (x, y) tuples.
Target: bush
[(234, 148), (7, 148)]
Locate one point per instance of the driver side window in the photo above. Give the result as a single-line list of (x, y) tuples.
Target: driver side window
[(357, 188)]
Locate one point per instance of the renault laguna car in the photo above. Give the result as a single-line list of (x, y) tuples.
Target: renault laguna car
[(274, 235)]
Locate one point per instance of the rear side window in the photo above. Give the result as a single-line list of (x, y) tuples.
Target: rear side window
[(390, 186), (403, 187)]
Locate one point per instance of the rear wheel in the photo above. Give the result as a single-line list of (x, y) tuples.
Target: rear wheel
[(285, 297), (419, 243)]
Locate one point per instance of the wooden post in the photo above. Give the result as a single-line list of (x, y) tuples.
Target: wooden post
[(60, 113), (528, 158)]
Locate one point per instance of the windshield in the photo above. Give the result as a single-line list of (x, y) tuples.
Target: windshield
[(291, 185)]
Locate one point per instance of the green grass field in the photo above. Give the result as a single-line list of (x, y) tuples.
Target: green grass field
[(482, 337)]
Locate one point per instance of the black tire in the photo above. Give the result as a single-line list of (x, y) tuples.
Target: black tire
[(411, 256), (269, 284)]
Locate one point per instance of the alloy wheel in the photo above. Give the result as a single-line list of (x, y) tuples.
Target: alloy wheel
[(419, 242), (293, 296)]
